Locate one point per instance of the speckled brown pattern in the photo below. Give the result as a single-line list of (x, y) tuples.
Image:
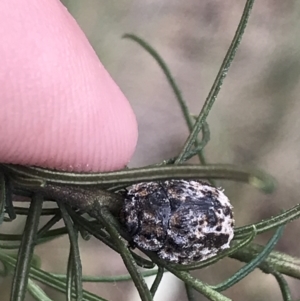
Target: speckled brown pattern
[(182, 221)]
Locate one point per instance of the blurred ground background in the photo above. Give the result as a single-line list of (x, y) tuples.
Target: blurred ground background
[(254, 122)]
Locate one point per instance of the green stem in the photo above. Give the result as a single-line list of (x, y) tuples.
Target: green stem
[(254, 177), (55, 219), (45, 211), (105, 238), (75, 253), (284, 287), (107, 220), (249, 267), (196, 150), (47, 278), (36, 292), (189, 292), (2, 197), (25, 254), (281, 262), (199, 286), (185, 276), (157, 281), (271, 223), (109, 279), (70, 276), (182, 103), (212, 96), (9, 207)]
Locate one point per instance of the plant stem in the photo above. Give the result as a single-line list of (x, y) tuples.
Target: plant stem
[(20, 280), (212, 96)]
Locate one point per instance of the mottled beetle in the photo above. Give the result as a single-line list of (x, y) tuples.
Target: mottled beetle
[(182, 221)]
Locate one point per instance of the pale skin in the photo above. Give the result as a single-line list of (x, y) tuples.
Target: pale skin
[(60, 109)]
